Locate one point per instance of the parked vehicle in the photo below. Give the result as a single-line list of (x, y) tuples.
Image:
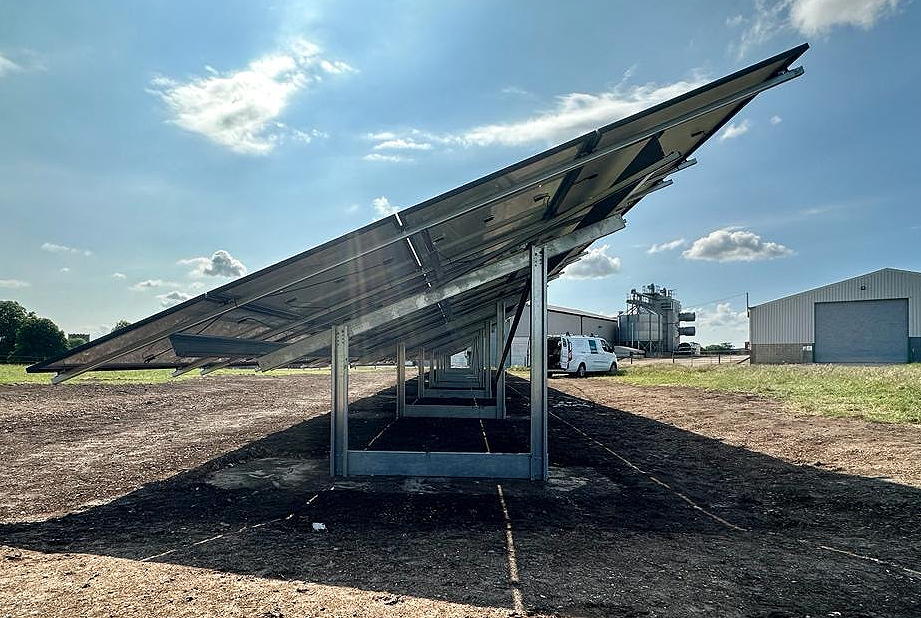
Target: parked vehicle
[(689, 348), (580, 355)]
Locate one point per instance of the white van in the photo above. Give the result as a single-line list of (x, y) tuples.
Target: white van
[(580, 355)]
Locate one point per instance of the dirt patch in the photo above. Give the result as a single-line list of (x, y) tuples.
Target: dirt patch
[(661, 502), (876, 450), (108, 440)]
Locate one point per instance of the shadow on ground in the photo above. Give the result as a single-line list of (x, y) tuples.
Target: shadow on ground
[(600, 538)]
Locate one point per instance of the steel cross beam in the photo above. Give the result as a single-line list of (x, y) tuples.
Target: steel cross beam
[(426, 299), (461, 328), (742, 95)]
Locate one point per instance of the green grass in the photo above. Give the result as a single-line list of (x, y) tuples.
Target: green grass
[(890, 394), (16, 374)]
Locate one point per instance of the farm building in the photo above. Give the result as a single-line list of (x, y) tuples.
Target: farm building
[(562, 320), (872, 318)]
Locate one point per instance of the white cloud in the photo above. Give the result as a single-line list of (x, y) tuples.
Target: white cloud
[(812, 17), (734, 130), (721, 323), (149, 284), (596, 264), (666, 246), (173, 298), (53, 248), (65, 269), (819, 210), (238, 109), (775, 119), (808, 18), (14, 284), (573, 114), (402, 144), (119, 276), (220, 264), (515, 91), (383, 207), (8, 66), (576, 113), (734, 245), (383, 135), (374, 156), (305, 136)]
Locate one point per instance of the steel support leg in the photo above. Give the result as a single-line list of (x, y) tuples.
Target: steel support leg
[(401, 379), (339, 415), (500, 369), (539, 464), (486, 373), (420, 387)]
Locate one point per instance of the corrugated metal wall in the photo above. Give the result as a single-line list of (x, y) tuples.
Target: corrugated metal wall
[(791, 319), (559, 322)]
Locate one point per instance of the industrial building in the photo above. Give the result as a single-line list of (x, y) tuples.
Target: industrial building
[(562, 320), (652, 321), (872, 318), (651, 325)]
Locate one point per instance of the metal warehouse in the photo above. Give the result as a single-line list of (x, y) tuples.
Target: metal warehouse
[(561, 320), (872, 318)]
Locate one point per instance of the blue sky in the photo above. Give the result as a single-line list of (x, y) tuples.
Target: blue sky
[(150, 151)]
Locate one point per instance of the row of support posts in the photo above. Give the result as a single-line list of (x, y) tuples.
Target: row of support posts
[(437, 379)]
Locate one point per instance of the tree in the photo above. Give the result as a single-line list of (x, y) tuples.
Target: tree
[(12, 315), (73, 342), (719, 347), (121, 324), (39, 338)]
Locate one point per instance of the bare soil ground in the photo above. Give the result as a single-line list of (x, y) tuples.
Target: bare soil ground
[(198, 498)]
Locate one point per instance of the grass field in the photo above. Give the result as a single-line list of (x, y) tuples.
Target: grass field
[(889, 394), (878, 393), (16, 374)]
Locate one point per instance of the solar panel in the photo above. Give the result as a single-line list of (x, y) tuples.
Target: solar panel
[(282, 314)]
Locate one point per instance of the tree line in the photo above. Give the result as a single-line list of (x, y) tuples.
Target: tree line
[(27, 337)]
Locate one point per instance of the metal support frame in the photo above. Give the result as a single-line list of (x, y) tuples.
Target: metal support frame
[(401, 379), (408, 232), (420, 385), (339, 415), (416, 302), (532, 465), (500, 360), (539, 464)]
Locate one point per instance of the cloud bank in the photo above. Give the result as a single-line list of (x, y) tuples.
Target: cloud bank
[(239, 109), (806, 17), (733, 245), (596, 264), (220, 264), (573, 114), (50, 247), (666, 246)]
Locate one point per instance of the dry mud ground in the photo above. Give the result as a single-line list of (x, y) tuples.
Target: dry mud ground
[(198, 498)]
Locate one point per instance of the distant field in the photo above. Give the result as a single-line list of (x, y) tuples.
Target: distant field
[(16, 374), (889, 393)]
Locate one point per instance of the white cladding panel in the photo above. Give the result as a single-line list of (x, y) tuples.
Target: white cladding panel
[(792, 319)]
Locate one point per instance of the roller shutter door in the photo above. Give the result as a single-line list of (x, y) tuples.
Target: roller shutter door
[(865, 331)]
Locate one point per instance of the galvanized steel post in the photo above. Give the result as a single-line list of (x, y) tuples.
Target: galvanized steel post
[(500, 369), (539, 464), (339, 415), (401, 379)]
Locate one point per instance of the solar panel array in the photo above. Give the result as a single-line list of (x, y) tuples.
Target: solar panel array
[(570, 187)]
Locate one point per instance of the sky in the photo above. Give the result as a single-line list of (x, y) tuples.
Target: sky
[(152, 151)]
